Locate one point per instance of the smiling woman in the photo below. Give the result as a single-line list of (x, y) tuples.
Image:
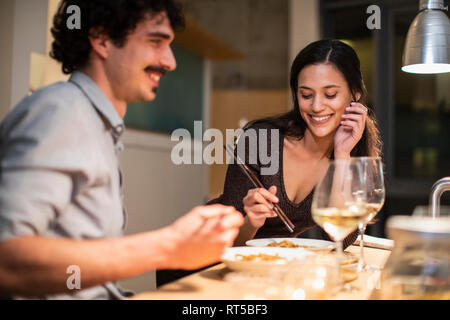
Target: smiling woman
[(323, 97), (324, 124), (325, 80), (328, 121)]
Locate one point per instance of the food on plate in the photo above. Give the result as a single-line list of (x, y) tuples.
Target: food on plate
[(258, 257), (289, 244)]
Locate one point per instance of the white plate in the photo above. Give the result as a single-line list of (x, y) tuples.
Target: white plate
[(233, 261), (319, 245)]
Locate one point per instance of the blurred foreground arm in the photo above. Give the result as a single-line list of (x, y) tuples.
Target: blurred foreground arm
[(34, 265)]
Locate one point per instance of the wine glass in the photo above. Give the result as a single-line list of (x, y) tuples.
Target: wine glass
[(339, 203), (375, 197)]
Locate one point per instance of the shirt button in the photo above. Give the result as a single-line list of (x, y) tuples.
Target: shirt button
[(119, 129)]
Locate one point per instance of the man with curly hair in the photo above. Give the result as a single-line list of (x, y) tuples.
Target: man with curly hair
[(60, 184)]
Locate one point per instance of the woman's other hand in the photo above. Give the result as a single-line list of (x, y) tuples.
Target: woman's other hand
[(350, 131)]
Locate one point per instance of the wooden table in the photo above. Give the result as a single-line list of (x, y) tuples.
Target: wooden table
[(209, 284)]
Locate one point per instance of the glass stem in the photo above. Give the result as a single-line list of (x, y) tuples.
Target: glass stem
[(340, 259), (362, 260)]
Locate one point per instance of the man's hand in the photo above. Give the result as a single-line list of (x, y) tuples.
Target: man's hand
[(201, 236), (36, 266)]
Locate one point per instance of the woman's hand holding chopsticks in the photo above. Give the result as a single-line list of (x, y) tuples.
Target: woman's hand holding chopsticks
[(258, 204)]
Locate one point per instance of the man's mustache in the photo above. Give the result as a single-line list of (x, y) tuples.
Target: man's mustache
[(160, 70)]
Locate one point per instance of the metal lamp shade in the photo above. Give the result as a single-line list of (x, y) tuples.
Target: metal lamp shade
[(427, 48)]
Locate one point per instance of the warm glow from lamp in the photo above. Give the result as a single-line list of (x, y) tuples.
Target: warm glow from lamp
[(427, 68)]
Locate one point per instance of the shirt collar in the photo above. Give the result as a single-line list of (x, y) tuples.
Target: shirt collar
[(99, 101)]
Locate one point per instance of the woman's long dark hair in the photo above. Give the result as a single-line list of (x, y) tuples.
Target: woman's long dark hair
[(343, 57)]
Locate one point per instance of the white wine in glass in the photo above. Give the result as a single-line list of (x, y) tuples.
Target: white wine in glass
[(340, 222), (339, 203)]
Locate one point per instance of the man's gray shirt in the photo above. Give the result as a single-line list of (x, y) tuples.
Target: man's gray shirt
[(59, 174)]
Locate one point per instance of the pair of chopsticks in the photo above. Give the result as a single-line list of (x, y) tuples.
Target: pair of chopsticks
[(254, 179)]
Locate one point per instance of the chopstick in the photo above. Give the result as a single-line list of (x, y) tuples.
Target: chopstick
[(254, 179)]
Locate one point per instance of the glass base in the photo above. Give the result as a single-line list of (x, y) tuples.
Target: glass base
[(367, 268), (348, 287), (345, 288)]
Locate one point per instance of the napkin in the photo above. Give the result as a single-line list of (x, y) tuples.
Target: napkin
[(374, 242)]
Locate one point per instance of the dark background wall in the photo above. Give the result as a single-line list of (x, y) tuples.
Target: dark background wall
[(256, 28)]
